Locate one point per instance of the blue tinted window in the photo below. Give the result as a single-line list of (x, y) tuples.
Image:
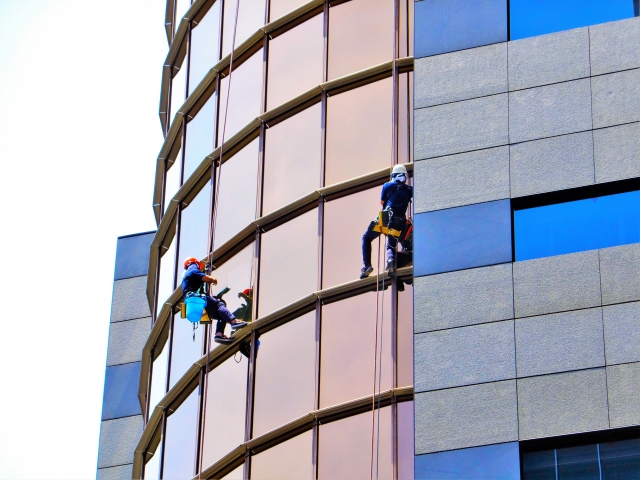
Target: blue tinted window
[(462, 237), (443, 26), (493, 462), (121, 391), (529, 18), (576, 226), (132, 255)]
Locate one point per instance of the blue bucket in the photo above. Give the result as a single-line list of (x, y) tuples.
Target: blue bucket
[(195, 306)]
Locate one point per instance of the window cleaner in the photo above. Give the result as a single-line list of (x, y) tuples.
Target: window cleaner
[(193, 281), (392, 221), (244, 311)]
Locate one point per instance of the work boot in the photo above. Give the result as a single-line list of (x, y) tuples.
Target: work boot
[(391, 265), (366, 271), (222, 339), (236, 324)]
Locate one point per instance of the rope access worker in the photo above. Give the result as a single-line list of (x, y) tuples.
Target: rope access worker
[(395, 198), (193, 281)]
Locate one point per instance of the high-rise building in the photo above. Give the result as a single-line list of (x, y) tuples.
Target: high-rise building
[(517, 353)]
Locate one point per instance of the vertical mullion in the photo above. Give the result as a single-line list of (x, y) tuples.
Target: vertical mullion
[(199, 439), (162, 443)]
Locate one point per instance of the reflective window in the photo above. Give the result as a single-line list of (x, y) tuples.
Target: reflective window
[(290, 460), (121, 391), (462, 237), (246, 96), (405, 117), (620, 459), (576, 226), (281, 7), (342, 250), (405, 440), (237, 474), (181, 8), (158, 378), (448, 25), (237, 275), (481, 463), (359, 131), (293, 159), (344, 449), (199, 138), (178, 91), (180, 440), (347, 366), (405, 48), (166, 276), (285, 375), (186, 347), (194, 228), (360, 35), (295, 62), (152, 467), (172, 180), (238, 193), (205, 45), (226, 407), (405, 337), (538, 17), (288, 262), (250, 19)]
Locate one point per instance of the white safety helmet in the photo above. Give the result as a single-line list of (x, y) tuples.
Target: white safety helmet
[(399, 170)]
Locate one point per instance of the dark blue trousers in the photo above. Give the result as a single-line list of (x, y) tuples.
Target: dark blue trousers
[(217, 310), (368, 237)]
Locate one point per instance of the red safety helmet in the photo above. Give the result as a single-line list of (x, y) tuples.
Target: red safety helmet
[(192, 260)]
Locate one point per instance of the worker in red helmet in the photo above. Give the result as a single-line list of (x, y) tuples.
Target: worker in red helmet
[(193, 281)]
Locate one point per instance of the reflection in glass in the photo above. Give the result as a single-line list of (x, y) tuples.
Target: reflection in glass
[(199, 138), (280, 7), (246, 96), (237, 194), (158, 379), (194, 228), (166, 276), (237, 474), (250, 19), (180, 440), (181, 8), (293, 151), (178, 91), (405, 47), (578, 463), (285, 375), (359, 131), (405, 115), (205, 45), (360, 35), (295, 62), (152, 467), (405, 440), (405, 337), (172, 180), (620, 459), (186, 347), (290, 460), (347, 366), (342, 249), (539, 465), (225, 413), (289, 262), (344, 450)]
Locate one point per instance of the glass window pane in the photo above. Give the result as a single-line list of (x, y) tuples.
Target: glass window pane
[(194, 228), (359, 131), (344, 449), (405, 441), (250, 19), (245, 103), (578, 463), (237, 474), (152, 467), (158, 379), (295, 62), (166, 276), (347, 366), (360, 35), (280, 7), (577, 226), (199, 138), (178, 91), (620, 460), (238, 193), (405, 337), (290, 460), (186, 347), (180, 440), (205, 46), (172, 180), (345, 221), (405, 117), (406, 28), (538, 17), (288, 262), (226, 406), (285, 375), (181, 8), (448, 25), (293, 159), (539, 465), (121, 391)]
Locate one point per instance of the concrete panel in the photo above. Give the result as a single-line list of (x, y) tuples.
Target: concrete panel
[(552, 164), (463, 179), (617, 152), (559, 342), (545, 59), (122, 472), (129, 299), (549, 111), (623, 383), (562, 404), (118, 438), (466, 417), (612, 46), (461, 126), (616, 98), (622, 332), (556, 284), (462, 75), (620, 273), (464, 356), (126, 340)]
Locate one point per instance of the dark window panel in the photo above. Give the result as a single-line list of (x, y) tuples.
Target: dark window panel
[(620, 460), (250, 19), (194, 228), (405, 337), (180, 440), (578, 463), (281, 7), (185, 350), (121, 391), (158, 378), (405, 441), (166, 284), (462, 237), (290, 460), (577, 226), (539, 465), (199, 139), (172, 180), (132, 256), (443, 26), (205, 46), (178, 91), (293, 150), (359, 131), (285, 377)]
